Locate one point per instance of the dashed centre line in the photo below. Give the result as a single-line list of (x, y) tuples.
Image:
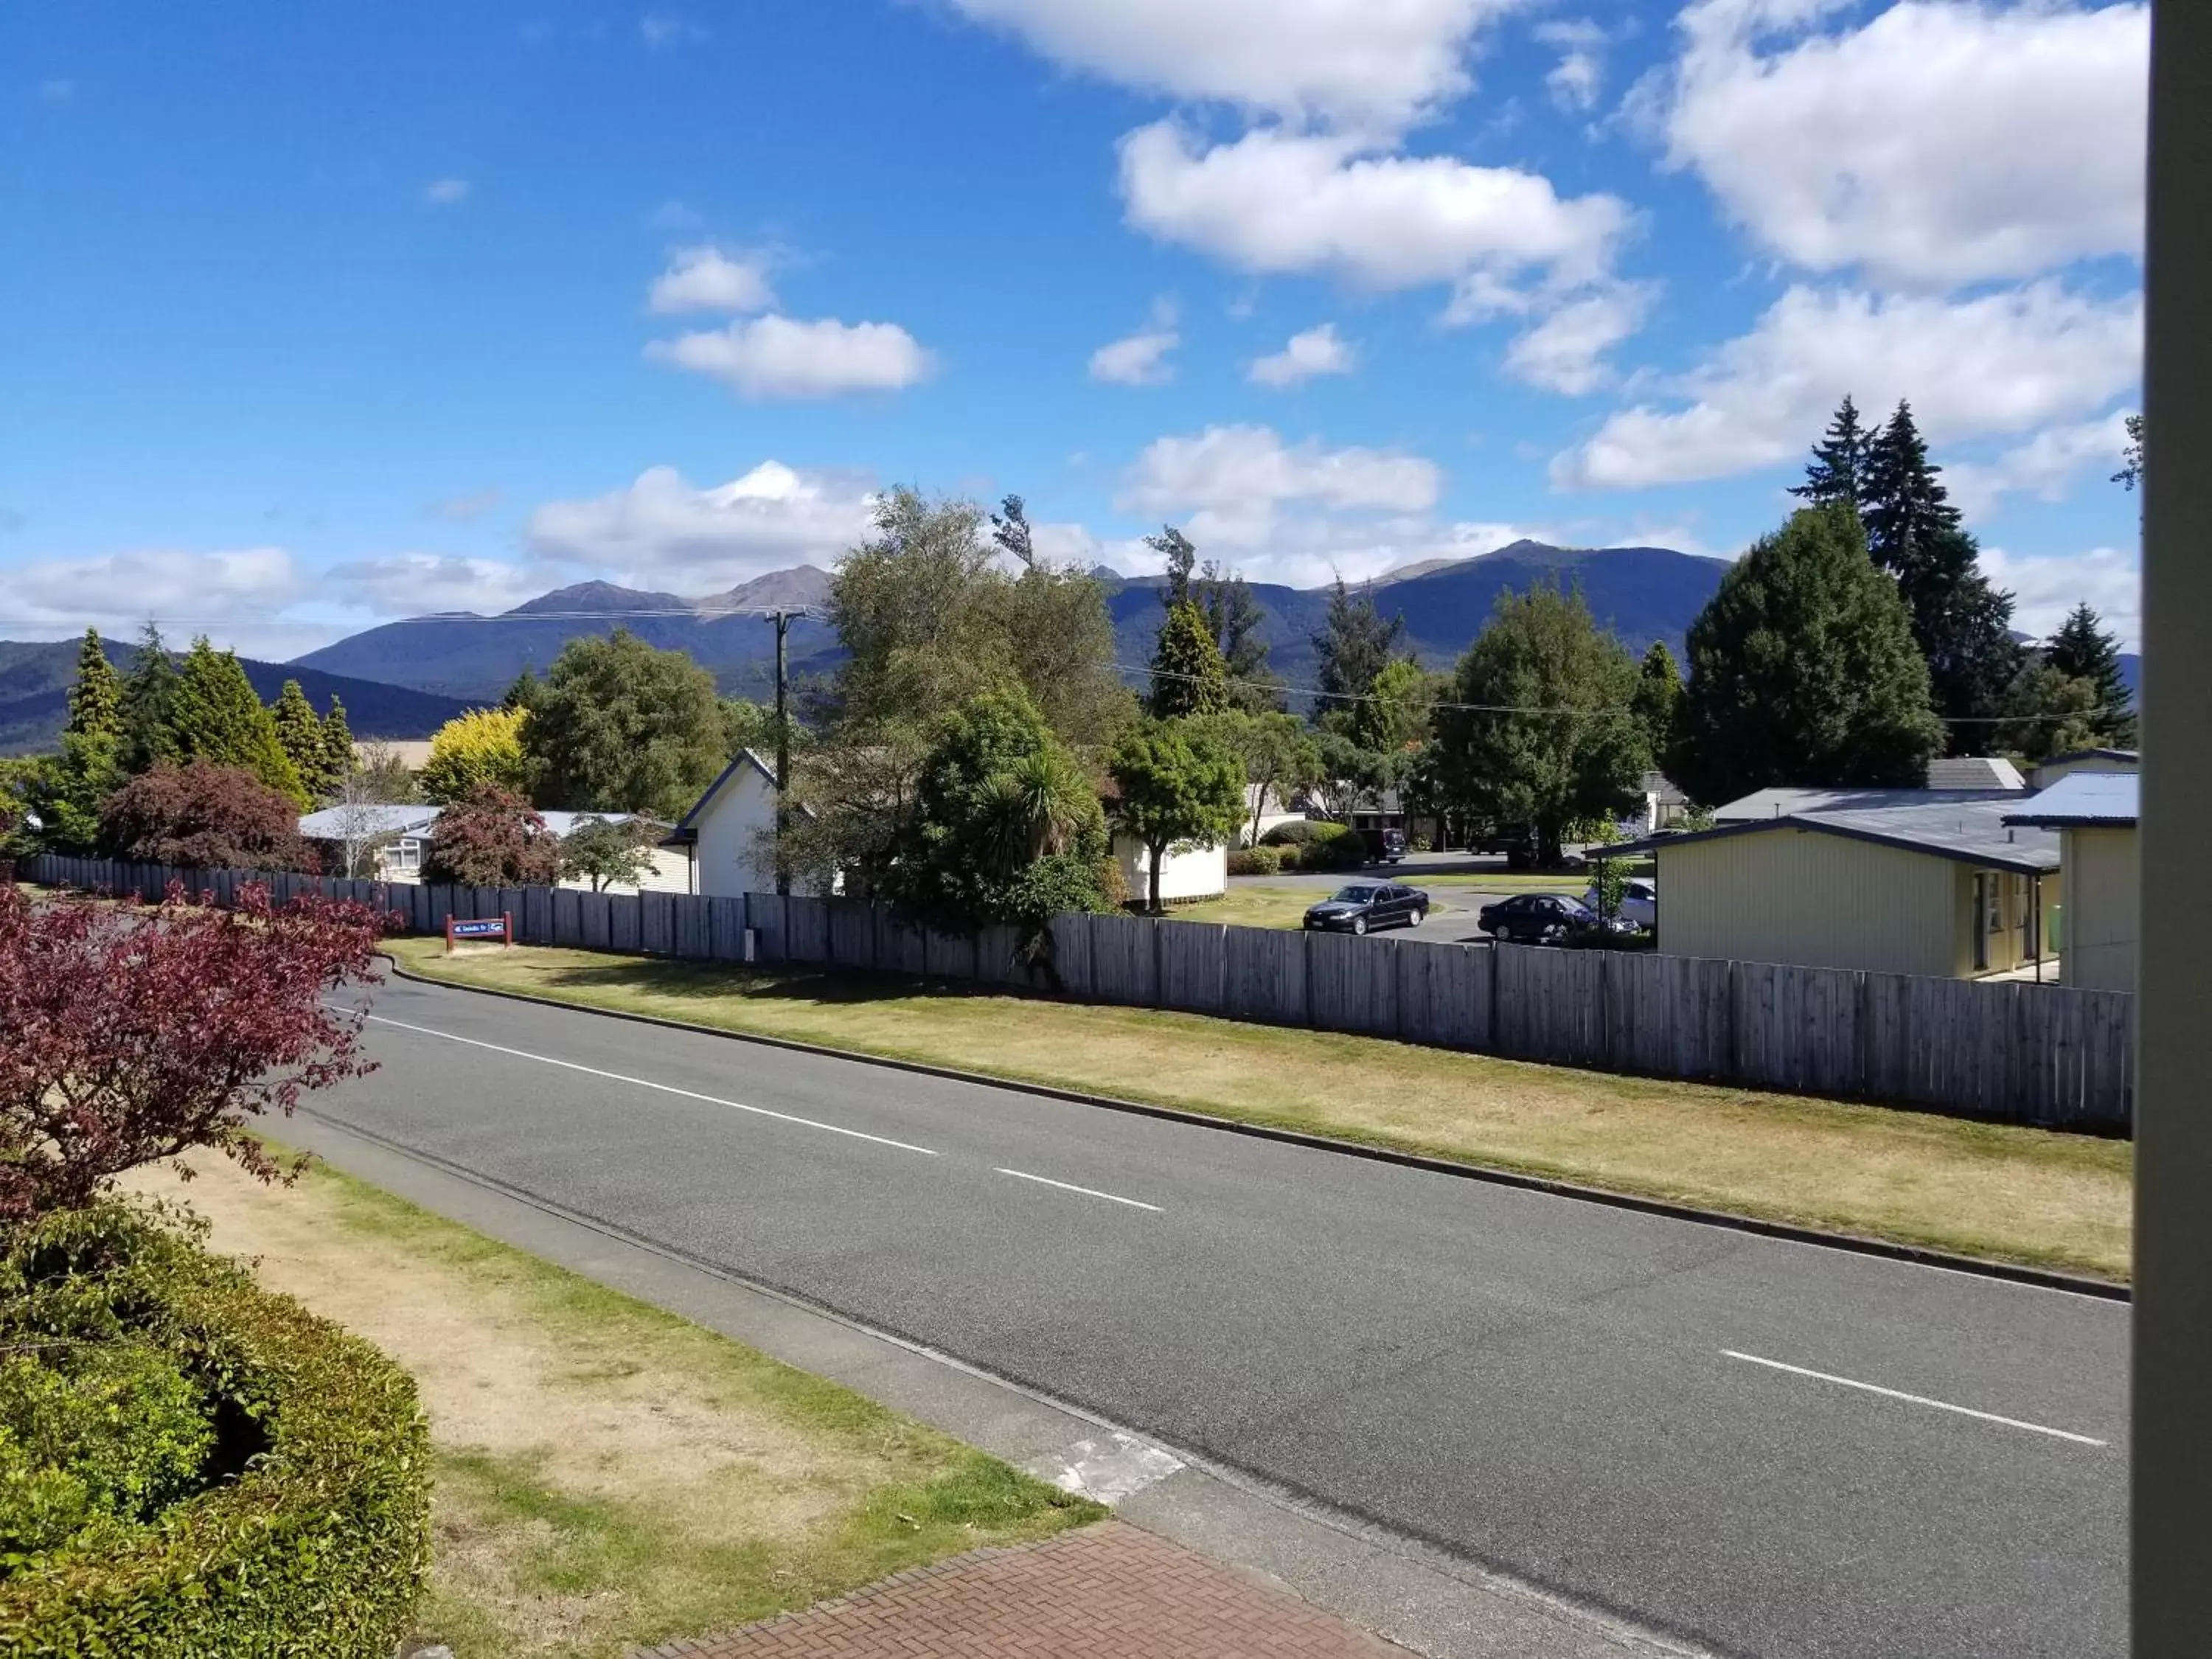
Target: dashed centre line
[(647, 1082), (1915, 1399), (1088, 1192)]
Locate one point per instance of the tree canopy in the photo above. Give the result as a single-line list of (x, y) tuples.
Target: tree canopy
[(1803, 671), (300, 735), (483, 746), (1547, 736), (607, 853), (623, 727), (1189, 676), (215, 716), (89, 766), (148, 696), (206, 816), (1175, 787), (492, 838), (1278, 752), (1658, 702), (1354, 645)]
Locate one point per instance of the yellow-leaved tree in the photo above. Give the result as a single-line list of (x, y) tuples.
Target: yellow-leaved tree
[(480, 747)]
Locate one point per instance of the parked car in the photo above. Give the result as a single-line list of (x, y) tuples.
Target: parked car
[(1384, 846), (1639, 902), (1365, 906), (1536, 918)]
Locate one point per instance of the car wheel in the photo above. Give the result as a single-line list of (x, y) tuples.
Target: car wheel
[(1417, 918), (1360, 924)]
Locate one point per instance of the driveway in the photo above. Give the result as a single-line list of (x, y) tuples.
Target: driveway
[(1453, 906)]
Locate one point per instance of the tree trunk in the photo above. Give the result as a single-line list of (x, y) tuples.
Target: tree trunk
[(1547, 844), (1159, 856)]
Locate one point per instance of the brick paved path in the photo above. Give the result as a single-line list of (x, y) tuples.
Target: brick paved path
[(1107, 1591)]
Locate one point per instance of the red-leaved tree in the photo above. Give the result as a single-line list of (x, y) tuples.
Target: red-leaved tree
[(211, 818), (133, 1033), (492, 838)]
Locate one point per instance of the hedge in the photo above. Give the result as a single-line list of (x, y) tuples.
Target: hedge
[(319, 1542)]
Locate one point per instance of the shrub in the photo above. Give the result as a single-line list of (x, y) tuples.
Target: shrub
[(1303, 832), (1256, 861), (492, 838), (204, 815), (320, 1543)]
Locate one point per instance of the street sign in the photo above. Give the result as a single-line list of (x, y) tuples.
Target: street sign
[(459, 931)]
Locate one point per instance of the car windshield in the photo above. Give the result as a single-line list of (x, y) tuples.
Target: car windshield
[(1352, 896)]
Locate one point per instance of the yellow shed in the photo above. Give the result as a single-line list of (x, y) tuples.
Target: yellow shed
[(1945, 889), (2095, 813)]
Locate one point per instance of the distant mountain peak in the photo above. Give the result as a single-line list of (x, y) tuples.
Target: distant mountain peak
[(603, 597), (801, 584)]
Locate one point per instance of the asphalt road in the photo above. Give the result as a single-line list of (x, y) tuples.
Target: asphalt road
[(1761, 1447)]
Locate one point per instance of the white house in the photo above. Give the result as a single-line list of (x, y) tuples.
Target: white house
[(399, 839), (726, 828), (1202, 873)]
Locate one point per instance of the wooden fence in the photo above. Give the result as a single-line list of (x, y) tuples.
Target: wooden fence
[(2012, 1052)]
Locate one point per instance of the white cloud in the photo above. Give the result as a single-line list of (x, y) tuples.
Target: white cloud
[(1308, 549), (235, 595), (1939, 144), (2046, 589), (446, 193), (2006, 362), (419, 584), (1281, 202), (1141, 358), (2045, 466), (1565, 352), (1371, 63), (661, 531), (663, 29), (465, 509), (705, 278), (1577, 79), (1232, 482), (782, 358), (1316, 351)]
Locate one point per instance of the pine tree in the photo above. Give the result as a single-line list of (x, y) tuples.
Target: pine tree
[(148, 696), (1354, 645), (300, 735), (1189, 676), (338, 744), (1658, 699), (1839, 461), (1234, 618), (89, 768), (216, 717), (2082, 650), (1803, 671), (1906, 509), (1175, 548)]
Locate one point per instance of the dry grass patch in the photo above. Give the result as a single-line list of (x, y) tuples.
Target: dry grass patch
[(1994, 1190), (609, 1474), (1250, 905)]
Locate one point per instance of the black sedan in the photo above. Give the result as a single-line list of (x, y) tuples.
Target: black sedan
[(1536, 918), (1366, 905)]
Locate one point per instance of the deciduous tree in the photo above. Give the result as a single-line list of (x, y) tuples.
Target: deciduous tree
[(607, 853), (1547, 735), (131, 1035), (1279, 753), (492, 838), (470, 750), (621, 726), (1803, 671), (1175, 789), (206, 816)]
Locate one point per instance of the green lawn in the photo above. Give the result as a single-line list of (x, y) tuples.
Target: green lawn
[(607, 1474), (1994, 1190), (1250, 904)]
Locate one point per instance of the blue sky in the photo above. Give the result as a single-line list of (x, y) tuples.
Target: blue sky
[(314, 316)]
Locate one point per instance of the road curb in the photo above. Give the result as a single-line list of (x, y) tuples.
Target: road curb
[(1855, 1243)]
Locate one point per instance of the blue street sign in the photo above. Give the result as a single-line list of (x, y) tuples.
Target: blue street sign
[(494, 927)]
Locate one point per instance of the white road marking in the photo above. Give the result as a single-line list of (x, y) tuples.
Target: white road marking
[(647, 1082), (1088, 1192), (1916, 1399)]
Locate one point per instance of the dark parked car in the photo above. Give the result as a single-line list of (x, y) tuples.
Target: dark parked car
[(1536, 918), (1366, 905), (1384, 846)]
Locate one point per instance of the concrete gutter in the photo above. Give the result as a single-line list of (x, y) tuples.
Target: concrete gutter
[(2047, 1279)]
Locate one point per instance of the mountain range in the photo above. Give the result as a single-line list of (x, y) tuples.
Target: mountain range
[(1643, 594), (35, 678)]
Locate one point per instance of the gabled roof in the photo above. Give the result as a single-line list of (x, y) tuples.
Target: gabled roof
[(2083, 800), (2131, 756), (687, 827), (1974, 772), (367, 820), (1965, 831)]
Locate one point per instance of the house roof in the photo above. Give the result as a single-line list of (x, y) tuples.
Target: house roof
[(2132, 756), (337, 823), (2083, 800), (1967, 831), (687, 827), (1974, 772), (1658, 785), (1782, 802)]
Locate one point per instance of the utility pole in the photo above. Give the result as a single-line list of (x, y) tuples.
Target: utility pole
[(782, 743)]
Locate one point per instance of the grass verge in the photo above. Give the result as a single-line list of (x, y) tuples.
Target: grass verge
[(608, 1474), (1991, 1190)]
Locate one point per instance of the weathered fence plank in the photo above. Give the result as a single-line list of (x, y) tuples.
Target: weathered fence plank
[(1125, 964), (852, 932), (1264, 975), (1352, 983), (1194, 958), (807, 929)]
